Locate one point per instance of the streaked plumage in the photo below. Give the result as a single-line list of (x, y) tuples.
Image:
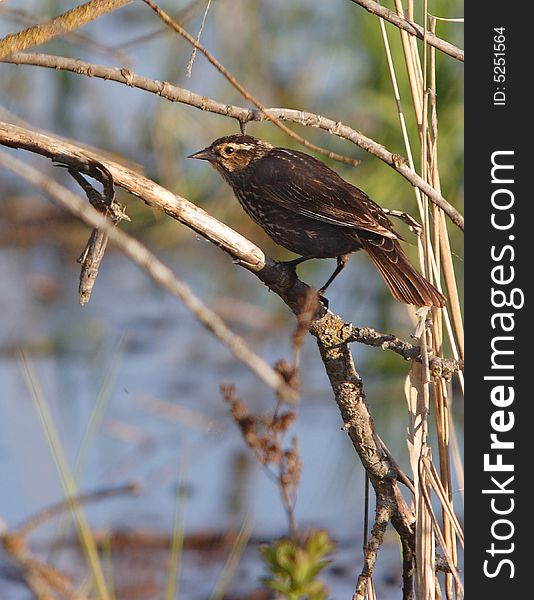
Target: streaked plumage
[(306, 207)]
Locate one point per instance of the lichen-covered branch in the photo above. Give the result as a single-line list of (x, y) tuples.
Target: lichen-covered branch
[(439, 366)]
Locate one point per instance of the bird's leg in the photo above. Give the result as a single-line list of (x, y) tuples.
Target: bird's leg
[(293, 264), (341, 262), (297, 261)]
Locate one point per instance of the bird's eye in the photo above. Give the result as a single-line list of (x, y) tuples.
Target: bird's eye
[(229, 150)]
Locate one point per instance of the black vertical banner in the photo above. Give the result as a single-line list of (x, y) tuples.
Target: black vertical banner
[(499, 434)]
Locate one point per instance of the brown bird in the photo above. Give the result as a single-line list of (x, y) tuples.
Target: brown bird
[(307, 208)]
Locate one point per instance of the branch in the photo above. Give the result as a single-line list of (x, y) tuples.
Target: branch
[(95, 248), (439, 367), (330, 333), (241, 89), (382, 518), (67, 153), (26, 18), (42, 579), (68, 21), (329, 329), (412, 28), (35, 521), (157, 270), (242, 115)]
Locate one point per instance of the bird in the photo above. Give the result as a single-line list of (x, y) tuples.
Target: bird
[(310, 210)]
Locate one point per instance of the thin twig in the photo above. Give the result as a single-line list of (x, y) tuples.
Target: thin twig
[(64, 505), (242, 90), (194, 53), (95, 248), (243, 115), (406, 218)]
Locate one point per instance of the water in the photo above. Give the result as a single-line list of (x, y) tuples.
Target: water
[(162, 421), (154, 372)]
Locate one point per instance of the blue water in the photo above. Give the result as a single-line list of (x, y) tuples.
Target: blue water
[(153, 354), (142, 347)]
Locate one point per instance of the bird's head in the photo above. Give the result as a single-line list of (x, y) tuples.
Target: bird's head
[(233, 153)]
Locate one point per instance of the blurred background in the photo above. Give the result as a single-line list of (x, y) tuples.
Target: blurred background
[(131, 379)]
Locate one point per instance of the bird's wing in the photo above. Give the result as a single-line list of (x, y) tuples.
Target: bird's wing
[(305, 185)]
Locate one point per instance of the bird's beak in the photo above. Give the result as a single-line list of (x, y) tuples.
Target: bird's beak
[(205, 154)]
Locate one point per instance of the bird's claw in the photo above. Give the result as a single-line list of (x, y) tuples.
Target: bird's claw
[(323, 299)]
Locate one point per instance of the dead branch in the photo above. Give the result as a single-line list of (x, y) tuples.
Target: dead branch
[(95, 248), (330, 331), (439, 367), (43, 580), (242, 115), (157, 270), (264, 435), (66, 22)]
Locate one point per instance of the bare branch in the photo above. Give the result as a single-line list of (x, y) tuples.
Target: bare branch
[(95, 248), (278, 277), (68, 21), (439, 367), (63, 506), (157, 270), (330, 331), (243, 115), (26, 18), (241, 89), (44, 580), (189, 69), (382, 518), (412, 28), (67, 153)]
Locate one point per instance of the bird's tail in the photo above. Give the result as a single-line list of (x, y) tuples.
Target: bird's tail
[(405, 283)]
